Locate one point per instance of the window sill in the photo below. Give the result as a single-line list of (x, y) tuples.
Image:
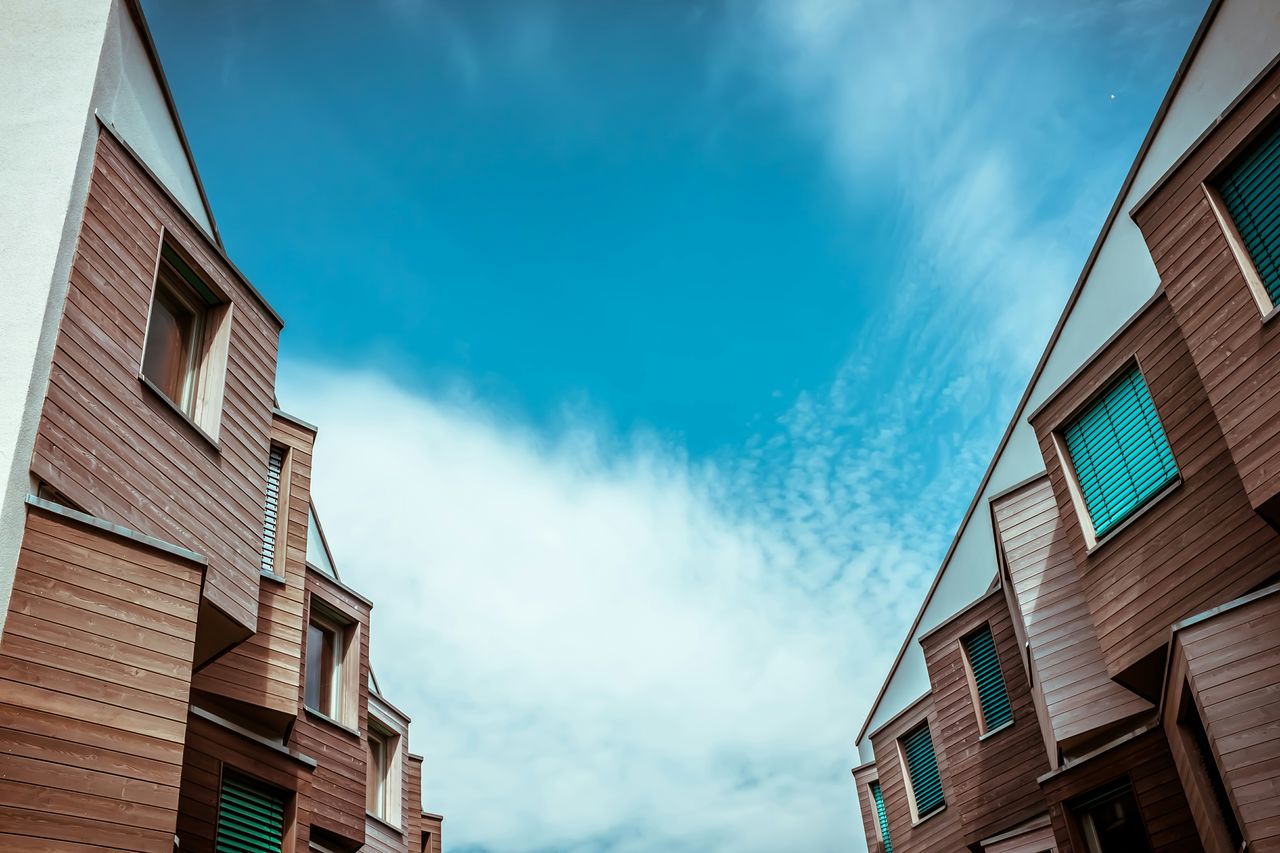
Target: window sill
[(323, 717), (1135, 515), (384, 822), (177, 410), (1271, 315), (1003, 727), (930, 816)]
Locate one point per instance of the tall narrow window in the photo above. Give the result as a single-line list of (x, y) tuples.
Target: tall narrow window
[(924, 783), (1110, 821), (1119, 452), (250, 816), (378, 767), (882, 818), (1251, 193), (987, 681), (276, 512), (324, 660)]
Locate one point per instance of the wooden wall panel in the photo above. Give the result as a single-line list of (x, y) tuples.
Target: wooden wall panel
[(1237, 355), (211, 747), (265, 670), (338, 784), (95, 667), (940, 831), (109, 443), (1069, 670), (413, 801), (993, 779), (393, 835), (1145, 761), (1233, 665), (431, 829), (1200, 544)]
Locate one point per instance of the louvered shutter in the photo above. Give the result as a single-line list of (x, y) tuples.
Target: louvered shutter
[(250, 817), (992, 695), (922, 767), (882, 817), (1119, 452), (275, 467), (1251, 192)]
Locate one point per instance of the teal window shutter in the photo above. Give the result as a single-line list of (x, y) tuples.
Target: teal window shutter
[(922, 767), (1119, 452), (250, 817), (993, 698), (881, 816), (1251, 192)]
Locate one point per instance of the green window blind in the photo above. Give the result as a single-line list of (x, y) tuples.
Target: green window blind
[(1119, 452), (250, 817), (881, 816), (992, 695), (922, 767), (1251, 192)]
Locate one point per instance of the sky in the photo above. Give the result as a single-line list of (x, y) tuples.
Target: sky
[(657, 350)]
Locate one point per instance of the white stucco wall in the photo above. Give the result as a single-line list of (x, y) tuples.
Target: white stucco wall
[(1243, 39), (49, 53), (60, 61)]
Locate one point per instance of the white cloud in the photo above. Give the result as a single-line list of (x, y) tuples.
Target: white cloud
[(601, 650)]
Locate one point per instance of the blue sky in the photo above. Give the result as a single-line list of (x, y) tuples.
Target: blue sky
[(689, 329)]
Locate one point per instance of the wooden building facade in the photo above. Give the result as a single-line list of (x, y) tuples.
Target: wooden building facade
[(179, 670), (1117, 688)]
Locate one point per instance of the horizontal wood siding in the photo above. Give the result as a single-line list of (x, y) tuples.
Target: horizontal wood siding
[(1233, 665), (211, 748), (1145, 761), (1238, 357), (993, 780), (110, 444), (1201, 543), (392, 836), (265, 670), (431, 829), (95, 668), (939, 831), (338, 784), (1070, 672), (413, 802)]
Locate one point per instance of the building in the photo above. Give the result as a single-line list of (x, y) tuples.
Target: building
[(1096, 666), (181, 666)]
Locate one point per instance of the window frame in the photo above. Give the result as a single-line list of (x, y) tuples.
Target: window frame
[(1092, 539), (177, 276), (280, 543), (971, 677), (909, 782), (344, 671), (287, 799), (387, 807)]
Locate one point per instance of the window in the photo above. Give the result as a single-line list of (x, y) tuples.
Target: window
[(1250, 192), (277, 508), (332, 686), (877, 798), (924, 785), (184, 357), (381, 794), (1119, 452), (1110, 821), (250, 816), (986, 681)]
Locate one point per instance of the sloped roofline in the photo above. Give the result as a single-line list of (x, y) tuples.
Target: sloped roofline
[(153, 55), (1156, 122)]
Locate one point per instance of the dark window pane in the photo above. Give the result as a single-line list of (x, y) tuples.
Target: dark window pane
[(169, 341)]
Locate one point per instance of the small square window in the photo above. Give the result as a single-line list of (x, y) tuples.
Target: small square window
[(184, 355)]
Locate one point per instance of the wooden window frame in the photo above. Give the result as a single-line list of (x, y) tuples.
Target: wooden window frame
[(176, 273), (392, 791), (908, 782), (1252, 279), (972, 680), (1092, 540), (875, 810), (282, 510), (344, 698)]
